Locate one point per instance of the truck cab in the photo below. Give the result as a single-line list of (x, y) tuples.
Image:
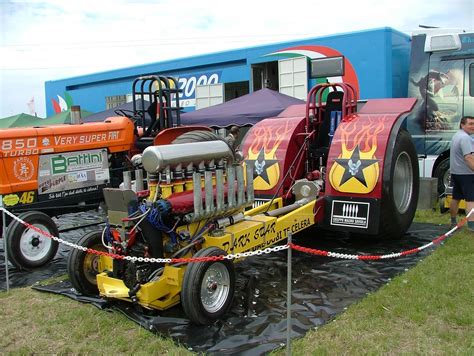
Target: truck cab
[(442, 79)]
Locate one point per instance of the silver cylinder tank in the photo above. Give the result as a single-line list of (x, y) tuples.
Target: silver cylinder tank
[(156, 158)]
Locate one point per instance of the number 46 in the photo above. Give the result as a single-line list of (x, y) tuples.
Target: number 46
[(27, 197)]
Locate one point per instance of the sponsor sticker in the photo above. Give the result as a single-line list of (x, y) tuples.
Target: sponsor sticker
[(102, 174), (19, 198), (43, 173), (350, 214), (23, 168), (72, 171), (11, 199)]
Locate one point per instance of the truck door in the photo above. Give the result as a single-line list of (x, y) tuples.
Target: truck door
[(469, 87), (444, 102)]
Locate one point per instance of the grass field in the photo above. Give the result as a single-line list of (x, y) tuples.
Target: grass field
[(427, 310)]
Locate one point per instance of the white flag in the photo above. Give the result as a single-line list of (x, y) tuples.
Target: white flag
[(31, 106)]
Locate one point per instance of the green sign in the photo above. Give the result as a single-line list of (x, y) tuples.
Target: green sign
[(61, 164)]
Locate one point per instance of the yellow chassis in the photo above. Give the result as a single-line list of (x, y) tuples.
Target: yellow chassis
[(256, 232)]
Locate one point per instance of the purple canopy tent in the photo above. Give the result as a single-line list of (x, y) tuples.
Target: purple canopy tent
[(245, 110)]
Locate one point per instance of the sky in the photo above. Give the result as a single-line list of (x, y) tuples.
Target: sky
[(56, 39)]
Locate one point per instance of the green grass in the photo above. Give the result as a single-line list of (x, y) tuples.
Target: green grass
[(427, 310), (34, 322)]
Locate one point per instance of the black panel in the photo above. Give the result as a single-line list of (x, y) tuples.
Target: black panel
[(358, 215)]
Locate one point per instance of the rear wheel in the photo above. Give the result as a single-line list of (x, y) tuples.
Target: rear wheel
[(197, 136), (208, 287), (203, 136), (82, 267), (400, 188), (442, 173), (28, 248)]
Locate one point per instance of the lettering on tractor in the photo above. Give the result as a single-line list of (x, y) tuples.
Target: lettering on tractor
[(58, 169)]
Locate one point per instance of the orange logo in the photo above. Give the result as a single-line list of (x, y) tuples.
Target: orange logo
[(23, 168)]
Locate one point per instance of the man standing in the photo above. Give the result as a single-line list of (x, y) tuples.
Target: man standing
[(232, 137), (462, 169)]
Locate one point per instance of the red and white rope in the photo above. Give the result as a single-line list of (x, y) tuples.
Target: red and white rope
[(381, 257), (245, 254)]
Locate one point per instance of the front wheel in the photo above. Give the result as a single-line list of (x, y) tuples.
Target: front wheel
[(27, 247), (208, 287), (83, 267)]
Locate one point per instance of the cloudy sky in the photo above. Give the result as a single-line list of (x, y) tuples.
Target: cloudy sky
[(55, 39)]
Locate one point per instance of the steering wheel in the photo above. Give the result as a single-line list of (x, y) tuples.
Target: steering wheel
[(127, 113), (132, 115)]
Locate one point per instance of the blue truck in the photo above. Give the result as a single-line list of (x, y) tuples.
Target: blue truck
[(442, 78)]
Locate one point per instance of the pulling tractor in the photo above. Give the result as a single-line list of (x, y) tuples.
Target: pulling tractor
[(322, 164), (46, 171)]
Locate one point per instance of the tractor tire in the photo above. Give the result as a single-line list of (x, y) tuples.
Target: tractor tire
[(442, 173), (82, 267), (203, 136), (197, 136), (400, 187), (208, 288), (27, 248)]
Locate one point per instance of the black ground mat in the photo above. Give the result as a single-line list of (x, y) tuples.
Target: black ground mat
[(321, 288)]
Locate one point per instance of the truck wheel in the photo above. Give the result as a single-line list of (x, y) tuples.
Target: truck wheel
[(442, 173), (82, 267), (208, 287), (400, 187), (28, 248)]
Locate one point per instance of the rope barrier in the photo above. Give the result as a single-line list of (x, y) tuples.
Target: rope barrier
[(268, 250)]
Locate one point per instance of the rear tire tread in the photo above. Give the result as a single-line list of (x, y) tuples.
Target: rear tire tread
[(394, 224)]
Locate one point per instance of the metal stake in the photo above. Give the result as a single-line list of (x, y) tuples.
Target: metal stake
[(288, 299), (4, 235)]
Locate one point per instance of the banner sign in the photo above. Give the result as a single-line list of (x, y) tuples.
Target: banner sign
[(72, 173)]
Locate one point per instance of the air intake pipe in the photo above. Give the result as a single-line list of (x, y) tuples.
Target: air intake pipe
[(155, 159)]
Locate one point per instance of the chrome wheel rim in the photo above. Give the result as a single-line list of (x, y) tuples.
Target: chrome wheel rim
[(91, 264), (215, 287), (403, 182), (33, 245), (446, 179)]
